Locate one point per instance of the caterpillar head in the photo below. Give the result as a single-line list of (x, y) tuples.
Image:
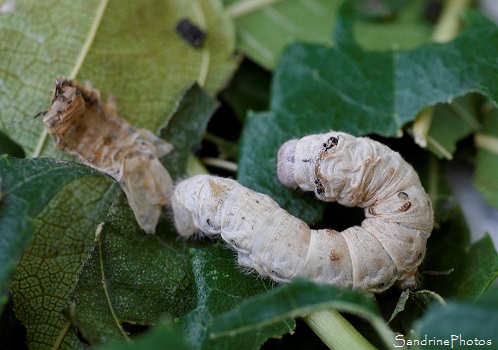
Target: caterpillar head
[(285, 164), (184, 221), (67, 104)]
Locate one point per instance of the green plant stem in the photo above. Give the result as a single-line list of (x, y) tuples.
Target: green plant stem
[(335, 331), (486, 142), (244, 7), (225, 147), (448, 24), (422, 125), (219, 163)]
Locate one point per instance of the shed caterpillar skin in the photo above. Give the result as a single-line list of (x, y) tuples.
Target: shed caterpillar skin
[(387, 247), (83, 126)]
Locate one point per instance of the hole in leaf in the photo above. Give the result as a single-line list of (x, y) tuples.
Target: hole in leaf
[(134, 329)]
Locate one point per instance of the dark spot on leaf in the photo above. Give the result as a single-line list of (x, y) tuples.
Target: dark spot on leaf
[(190, 32)]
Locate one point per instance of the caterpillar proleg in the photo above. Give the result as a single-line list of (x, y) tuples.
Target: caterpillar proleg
[(387, 247), (83, 126)]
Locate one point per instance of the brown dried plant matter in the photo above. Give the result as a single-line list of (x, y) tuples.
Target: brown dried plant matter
[(82, 125)]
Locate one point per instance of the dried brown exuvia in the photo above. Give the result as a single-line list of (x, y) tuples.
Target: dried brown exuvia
[(387, 248), (83, 126)]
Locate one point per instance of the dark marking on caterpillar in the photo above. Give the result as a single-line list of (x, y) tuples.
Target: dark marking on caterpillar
[(331, 142)]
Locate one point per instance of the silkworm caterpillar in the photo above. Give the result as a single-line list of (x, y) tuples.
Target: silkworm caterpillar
[(83, 126), (387, 247)]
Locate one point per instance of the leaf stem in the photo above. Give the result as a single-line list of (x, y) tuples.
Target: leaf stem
[(104, 286), (444, 152), (244, 7), (464, 115), (422, 125), (89, 39), (79, 62), (61, 336), (448, 24), (486, 142), (41, 143), (335, 331), (219, 163)]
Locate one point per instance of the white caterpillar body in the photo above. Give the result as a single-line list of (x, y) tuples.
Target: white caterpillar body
[(357, 171), (386, 248)]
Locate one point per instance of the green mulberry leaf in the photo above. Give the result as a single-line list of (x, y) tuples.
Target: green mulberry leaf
[(317, 88), (129, 50), (27, 186)]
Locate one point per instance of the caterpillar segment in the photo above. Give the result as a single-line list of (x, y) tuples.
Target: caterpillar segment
[(386, 249)]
